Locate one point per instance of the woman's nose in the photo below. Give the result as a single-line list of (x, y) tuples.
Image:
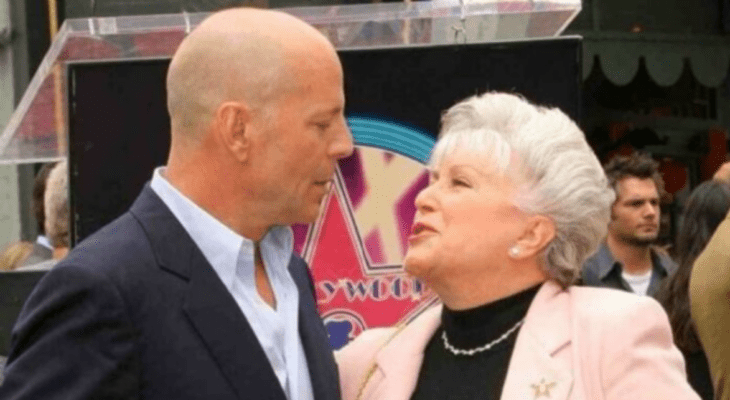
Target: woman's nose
[(424, 200)]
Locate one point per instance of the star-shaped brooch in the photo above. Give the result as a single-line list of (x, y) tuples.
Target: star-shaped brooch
[(543, 388)]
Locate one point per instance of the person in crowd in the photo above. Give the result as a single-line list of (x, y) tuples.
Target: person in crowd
[(56, 211), (42, 248), (705, 209), (516, 201), (709, 295), (628, 259), (195, 293), (15, 255)]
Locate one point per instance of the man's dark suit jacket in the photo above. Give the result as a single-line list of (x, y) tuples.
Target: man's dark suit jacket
[(136, 312)]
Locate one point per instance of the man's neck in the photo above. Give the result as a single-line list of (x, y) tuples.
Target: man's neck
[(636, 259), (212, 192)]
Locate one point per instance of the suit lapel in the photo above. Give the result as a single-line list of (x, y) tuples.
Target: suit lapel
[(534, 371), (320, 359), (228, 336), (209, 306)]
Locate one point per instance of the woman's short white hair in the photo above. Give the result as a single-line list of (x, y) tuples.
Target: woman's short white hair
[(562, 176)]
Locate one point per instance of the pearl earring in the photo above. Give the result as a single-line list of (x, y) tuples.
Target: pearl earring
[(514, 251)]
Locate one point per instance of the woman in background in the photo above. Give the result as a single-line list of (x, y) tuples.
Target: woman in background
[(706, 207), (516, 202)]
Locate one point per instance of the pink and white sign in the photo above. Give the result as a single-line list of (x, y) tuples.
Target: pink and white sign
[(356, 247)]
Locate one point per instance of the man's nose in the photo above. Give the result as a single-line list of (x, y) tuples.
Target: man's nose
[(343, 145), (650, 209)]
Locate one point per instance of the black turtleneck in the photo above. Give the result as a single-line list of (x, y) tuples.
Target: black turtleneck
[(444, 375)]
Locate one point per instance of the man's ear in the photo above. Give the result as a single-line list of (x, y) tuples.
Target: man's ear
[(232, 124), (539, 232)]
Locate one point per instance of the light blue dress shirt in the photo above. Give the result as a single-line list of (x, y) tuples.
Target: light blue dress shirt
[(232, 257), (43, 241)]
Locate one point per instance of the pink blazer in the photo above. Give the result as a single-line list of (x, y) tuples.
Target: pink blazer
[(580, 343)]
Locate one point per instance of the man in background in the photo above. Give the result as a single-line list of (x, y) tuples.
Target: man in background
[(42, 248), (628, 259), (56, 211), (195, 293), (55, 203)]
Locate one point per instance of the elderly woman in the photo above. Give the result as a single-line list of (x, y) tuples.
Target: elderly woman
[(517, 200)]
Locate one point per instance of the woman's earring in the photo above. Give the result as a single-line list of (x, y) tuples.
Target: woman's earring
[(514, 251)]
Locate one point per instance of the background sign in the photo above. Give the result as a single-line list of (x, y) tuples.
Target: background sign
[(356, 248)]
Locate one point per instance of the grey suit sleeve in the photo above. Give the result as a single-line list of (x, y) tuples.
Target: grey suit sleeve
[(73, 340)]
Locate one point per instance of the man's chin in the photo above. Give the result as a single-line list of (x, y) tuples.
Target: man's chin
[(310, 216), (642, 241)]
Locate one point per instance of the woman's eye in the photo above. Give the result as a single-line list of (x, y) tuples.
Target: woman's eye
[(459, 182)]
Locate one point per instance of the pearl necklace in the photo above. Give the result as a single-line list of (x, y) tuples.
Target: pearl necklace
[(471, 352)]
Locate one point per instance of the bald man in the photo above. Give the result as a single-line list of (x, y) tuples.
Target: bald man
[(195, 293)]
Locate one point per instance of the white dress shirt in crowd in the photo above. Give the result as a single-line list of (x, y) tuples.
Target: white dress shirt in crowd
[(232, 258), (43, 241)]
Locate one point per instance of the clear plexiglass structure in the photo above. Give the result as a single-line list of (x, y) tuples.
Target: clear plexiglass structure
[(36, 132)]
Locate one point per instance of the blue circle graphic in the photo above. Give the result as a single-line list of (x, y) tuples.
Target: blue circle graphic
[(391, 136)]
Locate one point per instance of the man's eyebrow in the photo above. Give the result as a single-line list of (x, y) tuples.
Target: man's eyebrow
[(327, 108), (635, 199), (328, 113)]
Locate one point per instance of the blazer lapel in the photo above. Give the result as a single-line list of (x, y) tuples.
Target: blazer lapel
[(534, 371), (228, 336), (209, 306), (400, 360), (320, 358)]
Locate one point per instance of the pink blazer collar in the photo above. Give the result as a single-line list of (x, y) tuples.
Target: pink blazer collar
[(534, 371)]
